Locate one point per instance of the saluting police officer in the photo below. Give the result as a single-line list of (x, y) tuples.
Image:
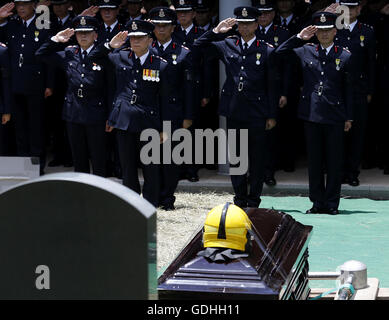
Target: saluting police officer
[(5, 97), (88, 95), (138, 103), (180, 96), (248, 99), (325, 106), (30, 80), (359, 38), (109, 10)]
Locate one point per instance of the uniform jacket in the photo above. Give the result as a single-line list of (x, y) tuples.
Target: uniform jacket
[(138, 99), (88, 96), (5, 81), (179, 100), (362, 44), (327, 92), (105, 36), (276, 35), (29, 76), (248, 94)]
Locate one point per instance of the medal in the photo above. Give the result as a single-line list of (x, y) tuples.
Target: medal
[(337, 61), (362, 38), (36, 36), (157, 77), (153, 75), (258, 58), (276, 41), (174, 56)]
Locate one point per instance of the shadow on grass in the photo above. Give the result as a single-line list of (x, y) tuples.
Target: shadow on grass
[(341, 212)]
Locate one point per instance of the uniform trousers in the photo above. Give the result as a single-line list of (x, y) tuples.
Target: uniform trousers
[(256, 165), (129, 150), (88, 141), (325, 151), (28, 115)]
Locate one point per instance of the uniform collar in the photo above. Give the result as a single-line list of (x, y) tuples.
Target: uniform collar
[(113, 25), (187, 30), (143, 58), (165, 45), (267, 27), (29, 20), (88, 50), (249, 42), (351, 25), (63, 21), (288, 19), (327, 50)]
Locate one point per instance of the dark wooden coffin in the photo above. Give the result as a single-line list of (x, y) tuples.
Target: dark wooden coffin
[(277, 267)]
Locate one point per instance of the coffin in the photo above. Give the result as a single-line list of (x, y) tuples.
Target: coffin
[(276, 268)]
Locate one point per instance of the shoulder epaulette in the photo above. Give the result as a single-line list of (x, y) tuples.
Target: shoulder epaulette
[(3, 45), (186, 48)]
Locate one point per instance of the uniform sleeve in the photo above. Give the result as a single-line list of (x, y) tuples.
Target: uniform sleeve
[(52, 54), (271, 84), (6, 82), (208, 42), (292, 44), (348, 92)]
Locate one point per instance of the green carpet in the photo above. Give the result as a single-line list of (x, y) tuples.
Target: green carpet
[(360, 232)]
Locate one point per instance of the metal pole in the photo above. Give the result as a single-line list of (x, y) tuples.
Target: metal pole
[(226, 10)]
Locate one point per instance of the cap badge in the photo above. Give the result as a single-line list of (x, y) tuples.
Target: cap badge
[(83, 21), (244, 12), (263, 2), (182, 2), (323, 18), (134, 26), (161, 13)]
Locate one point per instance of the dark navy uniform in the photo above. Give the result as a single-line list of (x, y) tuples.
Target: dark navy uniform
[(87, 100), (247, 100), (361, 42), (179, 102), (325, 106), (5, 96), (29, 81), (56, 126), (138, 105)]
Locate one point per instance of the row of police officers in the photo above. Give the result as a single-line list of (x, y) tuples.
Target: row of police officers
[(139, 74)]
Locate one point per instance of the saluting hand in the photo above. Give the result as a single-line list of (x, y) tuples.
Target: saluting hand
[(6, 10), (64, 36), (118, 40), (225, 25), (5, 118), (308, 32), (347, 126), (270, 123), (91, 11)]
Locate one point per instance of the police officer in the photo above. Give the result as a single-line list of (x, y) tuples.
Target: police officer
[(30, 81), (134, 8), (187, 33), (109, 10), (286, 16), (5, 97), (278, 142), (359, 38), (88, 94), (138, 103), (325, 107), (248, 99), (61, 149), (179, 111)]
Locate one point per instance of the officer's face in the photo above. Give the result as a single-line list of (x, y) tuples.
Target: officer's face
[(266, 18), (203, 18), (326, 36), (185, 18), (134, 9), (109, 15), (355, 11), (140, 44), (247, 29), (25, 10), (86, 38), (61, 10), (285, 6), (163, 32)]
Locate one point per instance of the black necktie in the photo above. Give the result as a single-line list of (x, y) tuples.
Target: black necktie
[(84, 54), (245, 46), (109, 29), (25, 24), (284, 24), (263, 31), (161, 48), (137, 61)]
